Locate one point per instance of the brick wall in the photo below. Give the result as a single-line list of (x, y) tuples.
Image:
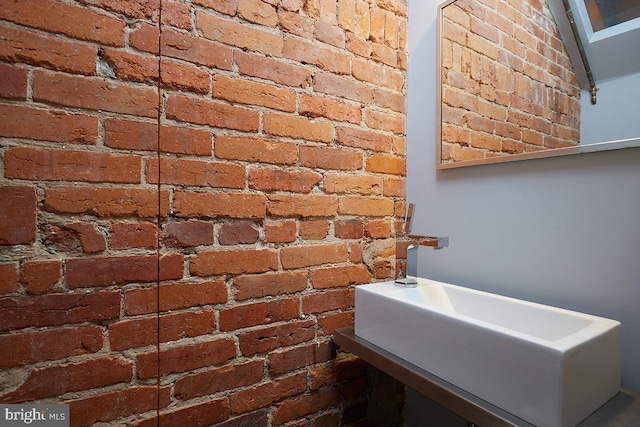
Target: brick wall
[(508, 86), (189, 192)]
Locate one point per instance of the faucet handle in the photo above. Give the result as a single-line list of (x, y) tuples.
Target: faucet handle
[(408, 218)]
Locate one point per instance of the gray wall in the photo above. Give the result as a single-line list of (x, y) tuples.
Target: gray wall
[(562, 231), (616, 114)]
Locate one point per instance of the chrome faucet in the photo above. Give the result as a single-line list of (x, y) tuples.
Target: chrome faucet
[(409, 244)]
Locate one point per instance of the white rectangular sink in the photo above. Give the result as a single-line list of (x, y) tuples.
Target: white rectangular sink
[(549, 366)]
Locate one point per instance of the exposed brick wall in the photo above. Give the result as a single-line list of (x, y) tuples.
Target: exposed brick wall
[(508, 84), (189, 192)]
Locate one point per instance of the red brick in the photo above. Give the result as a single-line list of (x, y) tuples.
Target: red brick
[(330, 158), (14, 82), (355, 251), (107, 201), (204, 112), (56, 380), (306, 404), (349, 229), (30, 347), (297, 127), (307, 256), (267, 393), (134, 135), (271, 337), (319, 302), (345, 367), (129, 66), (188, 233), (176, 326), (94, 94), (191, 172), (18, 121), (185, 78), (385, 163), (66, 165), (366, 206), (237, 34), (238, 233), (145, 37), (258, 313), (146, 9), (312, 105), (364, 138), (117, 404), (134, 333), (302, 205), (40, 276), (326, 58), (74, 21), (330, 34), (197, 415), (109, 271), (127, 235), (58, 309), (398, 7), (296, 23), (74, 237), (8, 278), (18, 214), (196, 50), (352, 183), (127, 334), (281, 361), (343, 87), (280, 231), (271, 284), (228, 7), (358, 45), (378, 229), (385, 54), (333, 277), (257, 12), (176, 14), (245, 91), (220, 379), (327, 324), (297, 181), (254, 149), (174, 296), (394, 187), (241, 261), (185, 358), (311, 229), (379, 74), (389, 99), (199, 204), (386, 121), (265, 67)]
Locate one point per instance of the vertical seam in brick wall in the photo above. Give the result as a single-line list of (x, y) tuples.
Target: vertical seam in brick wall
[(159, 218)]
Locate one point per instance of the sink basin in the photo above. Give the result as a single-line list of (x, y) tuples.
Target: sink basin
[(548, 366)]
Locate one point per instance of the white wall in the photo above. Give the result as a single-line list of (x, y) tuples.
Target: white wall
[(562, 231)]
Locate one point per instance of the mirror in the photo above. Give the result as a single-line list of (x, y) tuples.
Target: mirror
[(509, 90)]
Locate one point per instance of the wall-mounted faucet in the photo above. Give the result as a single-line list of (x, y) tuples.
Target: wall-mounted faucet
[(408, 244)]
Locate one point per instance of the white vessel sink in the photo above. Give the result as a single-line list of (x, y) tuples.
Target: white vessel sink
[(549, 366)]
